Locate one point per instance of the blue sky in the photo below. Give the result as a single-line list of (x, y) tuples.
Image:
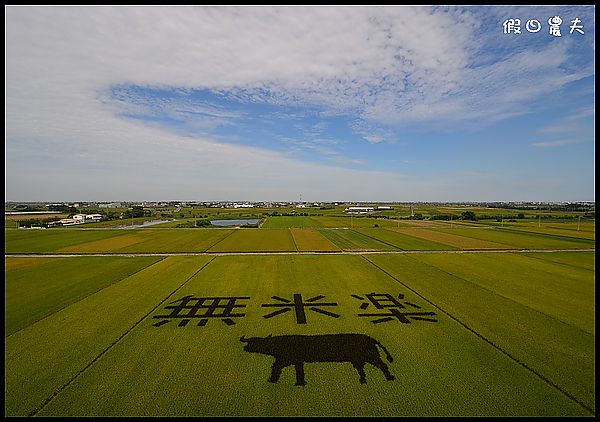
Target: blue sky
[(334, 103)]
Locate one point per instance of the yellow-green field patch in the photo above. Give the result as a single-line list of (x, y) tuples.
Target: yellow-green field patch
[(352, 240), (521, 308), (45, 356), (352, 221), (569, 232), (51, 240), (402, 241), (38, 287), (521, 239), (537, 284), (256, 240), (11, 264), (312, 240), (111, 244), (284, 222), (177, 240), (450, 239), (583, 260)]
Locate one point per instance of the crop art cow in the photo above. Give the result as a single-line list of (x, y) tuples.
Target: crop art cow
[(358, 349)]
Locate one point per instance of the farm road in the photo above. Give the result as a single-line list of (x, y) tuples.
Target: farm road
[(367, 252)]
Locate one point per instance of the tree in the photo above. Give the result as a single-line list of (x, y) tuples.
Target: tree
[(469, 215), (137, 212)]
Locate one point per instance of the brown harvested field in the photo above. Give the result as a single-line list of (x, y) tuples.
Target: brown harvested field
[(458, 241), (312, 240), (105, 245), (15, 264)]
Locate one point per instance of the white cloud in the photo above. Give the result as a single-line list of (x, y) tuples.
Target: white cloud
[(556, 143), (387, 64), (339, 58)]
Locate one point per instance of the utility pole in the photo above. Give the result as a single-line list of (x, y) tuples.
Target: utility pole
[(502, 217), (539, 221), (132, 215), (578, 220), (450, 220)]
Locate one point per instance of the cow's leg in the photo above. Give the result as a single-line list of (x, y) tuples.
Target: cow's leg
[(300, 373), (360, 368), (383, 367), (276, 370)]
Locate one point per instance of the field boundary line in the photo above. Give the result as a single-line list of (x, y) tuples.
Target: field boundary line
[(85, 297), (508, 247), (219, 241), (559, 263), (491, 343), (378, 240), (56, 393), (566, 238), (293, 239), (391, 230), (506, 298)]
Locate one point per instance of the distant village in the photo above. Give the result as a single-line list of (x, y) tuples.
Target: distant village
[(28, 214), (352, 206)]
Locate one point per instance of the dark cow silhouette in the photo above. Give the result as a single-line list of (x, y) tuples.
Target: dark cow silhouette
[(358, 349)]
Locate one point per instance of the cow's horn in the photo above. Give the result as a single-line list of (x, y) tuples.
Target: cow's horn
[(243, 339)]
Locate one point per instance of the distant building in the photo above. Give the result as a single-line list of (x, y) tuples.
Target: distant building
[(93, 217), (359, 210), (110, 205), (79, 219), (67, 222)]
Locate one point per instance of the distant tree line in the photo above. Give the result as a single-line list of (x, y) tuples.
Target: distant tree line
[(35, 222), (550, 207), (202, 222), (137, 211), (65, 209)]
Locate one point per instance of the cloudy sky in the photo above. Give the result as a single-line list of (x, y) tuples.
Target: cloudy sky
[(270, 103)]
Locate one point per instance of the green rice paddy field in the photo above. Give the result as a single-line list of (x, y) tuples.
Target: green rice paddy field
[(389, 238), (495, 330)]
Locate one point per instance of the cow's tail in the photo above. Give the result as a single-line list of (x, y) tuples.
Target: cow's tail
[(387, 354)]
